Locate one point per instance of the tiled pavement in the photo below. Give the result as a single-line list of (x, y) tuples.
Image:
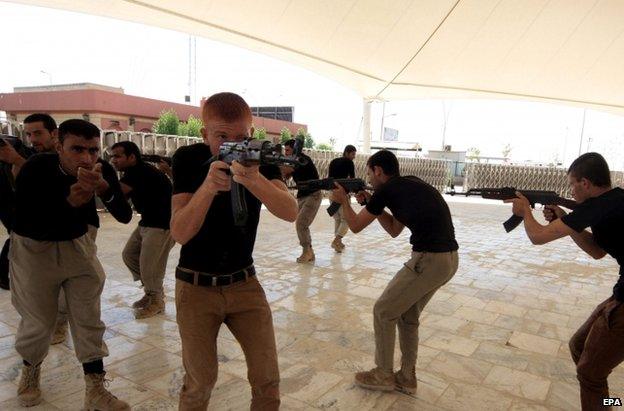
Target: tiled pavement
[(495, 337)]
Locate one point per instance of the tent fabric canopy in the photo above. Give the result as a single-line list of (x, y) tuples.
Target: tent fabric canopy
[(569, 51)]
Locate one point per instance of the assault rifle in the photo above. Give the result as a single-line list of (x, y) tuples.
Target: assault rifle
[(351, 185), (155, 158), (10, 140), (249, 153), (534, 197)]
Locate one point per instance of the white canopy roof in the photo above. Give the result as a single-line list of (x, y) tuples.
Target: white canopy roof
[(569, 51)]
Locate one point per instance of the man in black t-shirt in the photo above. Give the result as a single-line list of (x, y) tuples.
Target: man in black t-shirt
[(53, 250), (434, 261), (308, 201), (216, 282), (41, 131), (147, 250), (598, 345), (342, 167)]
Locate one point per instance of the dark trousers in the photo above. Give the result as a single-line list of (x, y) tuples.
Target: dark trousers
[(4, 263), (597, 348)]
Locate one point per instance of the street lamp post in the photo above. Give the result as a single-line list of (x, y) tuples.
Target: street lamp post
[(47, 74)]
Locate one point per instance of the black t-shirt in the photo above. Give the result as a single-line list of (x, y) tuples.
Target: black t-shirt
[(420, 208), (305, 173), (151, 194), (42, 211), (7, 186), (341, 167), (219, 247), (605, 215)]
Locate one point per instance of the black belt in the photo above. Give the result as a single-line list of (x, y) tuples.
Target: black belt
[(213, 280)]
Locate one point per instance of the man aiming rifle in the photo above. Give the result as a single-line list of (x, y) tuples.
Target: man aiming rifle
[(598, 345)]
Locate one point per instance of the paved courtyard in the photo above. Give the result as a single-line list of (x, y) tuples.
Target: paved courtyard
[(495, 337)]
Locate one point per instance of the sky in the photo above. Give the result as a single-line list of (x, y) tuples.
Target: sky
[(46, 46)]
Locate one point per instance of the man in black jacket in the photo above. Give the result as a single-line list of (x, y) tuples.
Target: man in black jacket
[(49, 254)]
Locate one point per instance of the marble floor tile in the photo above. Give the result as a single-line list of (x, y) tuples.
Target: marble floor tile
[(348, 396), (306, 384), (444, 341), (457, 367), (520, 383), (461, 397), (534, 343), (146, 365)]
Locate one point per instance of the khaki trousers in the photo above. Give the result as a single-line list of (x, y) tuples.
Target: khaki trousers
[(402, 302), (341, 227), (61, 318), (39, 271), (597, 348), (308, 207), (146, 254), (244, 309)]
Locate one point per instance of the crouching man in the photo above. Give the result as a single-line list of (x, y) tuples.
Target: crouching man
[(433, 263)]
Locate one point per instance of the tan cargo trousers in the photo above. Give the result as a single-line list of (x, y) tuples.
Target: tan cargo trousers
[(308, 207), (341, 227), (146, 254), (402, 302), (62, 303), (39, 270), (243, 307)]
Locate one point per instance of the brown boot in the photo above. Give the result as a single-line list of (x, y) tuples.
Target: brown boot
[(97, 397), (28, 391), (143, 302), (338, 245), (375, 379), (60, 333), (307, 255), (405, 381), (155, 306)]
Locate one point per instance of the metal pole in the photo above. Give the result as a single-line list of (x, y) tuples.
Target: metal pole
[(383, 116), (582, 131), (366, 131)]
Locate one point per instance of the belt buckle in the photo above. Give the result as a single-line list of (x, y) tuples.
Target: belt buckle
[(214, 280)]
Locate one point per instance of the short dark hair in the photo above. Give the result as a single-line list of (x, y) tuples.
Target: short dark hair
[(387, 161), (349, 149), (593, 167), (79, 128), (227, 107), (46, 119), (129, 148), (290, 143)]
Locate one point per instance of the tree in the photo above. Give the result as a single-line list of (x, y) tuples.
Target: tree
[(473, 154), (260, 133), (285, 135), (194, 126), (308, 141), (167, 123), (324, 146), (506, 151), (332, 142)]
